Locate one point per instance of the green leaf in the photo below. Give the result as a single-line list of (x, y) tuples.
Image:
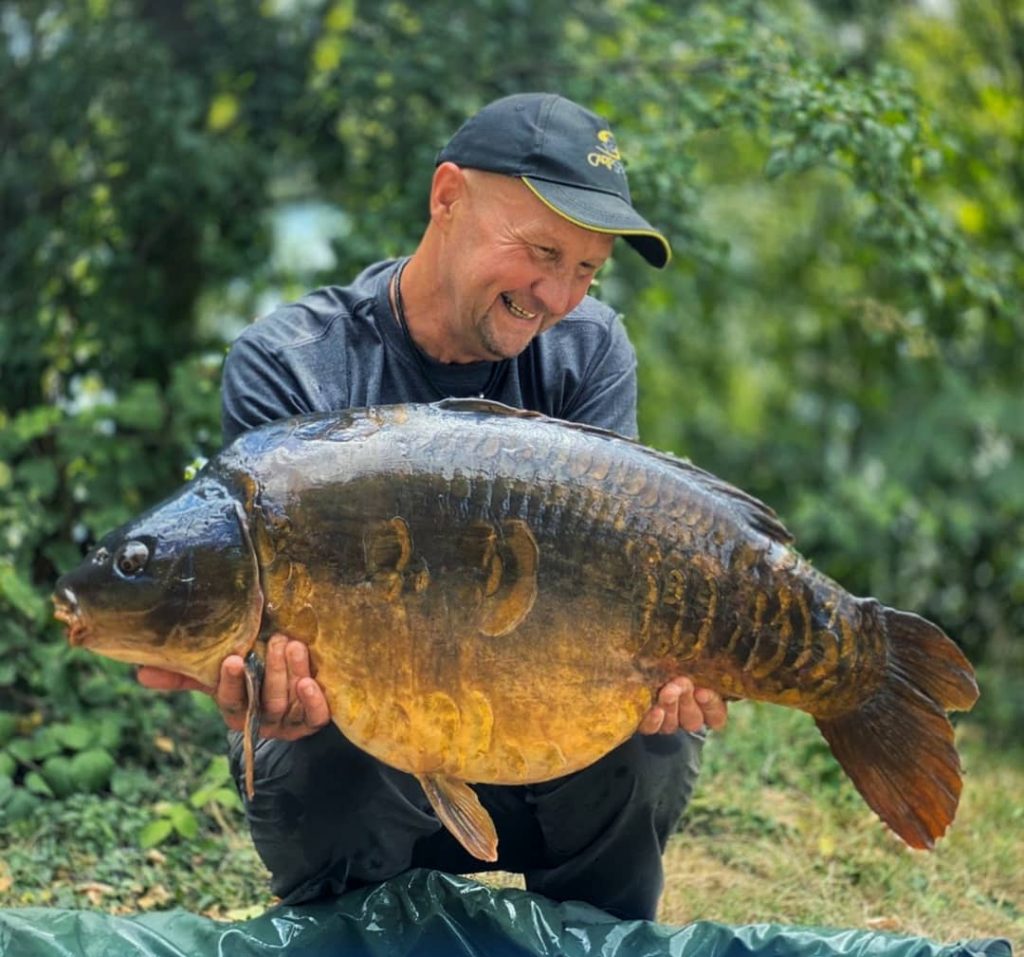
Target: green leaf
[(57, 772), (45, 744), (91, 769), (75, 737), (20, 805), (198, 798), (183, 820), (35, 422), (98, 690), (39, 476), (778, 163), (21, 749), (155, 832), (8, 727), (129, 782), (227, 797), (18, 592), (7, 765), (142, 407), (36, 784), (218, 771), (110, 731)]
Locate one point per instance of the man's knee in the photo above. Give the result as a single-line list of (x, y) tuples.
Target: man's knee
[(326, 816)]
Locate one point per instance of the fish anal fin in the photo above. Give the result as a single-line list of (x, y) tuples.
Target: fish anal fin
[(898, 746), (511, 586), (459, 809)]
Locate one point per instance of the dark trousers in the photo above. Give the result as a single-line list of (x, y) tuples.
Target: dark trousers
[(326, 818)]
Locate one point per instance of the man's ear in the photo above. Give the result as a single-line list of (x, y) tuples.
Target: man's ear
[(447, 189)]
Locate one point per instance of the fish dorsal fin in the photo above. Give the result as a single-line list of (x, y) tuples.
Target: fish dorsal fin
[(491, 406), (755, 512), (459, 809)]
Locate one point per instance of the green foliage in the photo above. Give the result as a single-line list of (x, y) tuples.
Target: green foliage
[(838, 331), (85, 850), (216, 793), (73, 473)]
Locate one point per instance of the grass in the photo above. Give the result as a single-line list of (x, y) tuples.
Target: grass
[(774, 834)]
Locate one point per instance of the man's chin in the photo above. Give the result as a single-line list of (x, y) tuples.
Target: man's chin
[(511, 346)]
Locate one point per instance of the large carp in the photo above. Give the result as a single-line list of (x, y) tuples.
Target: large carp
[(471, 579)]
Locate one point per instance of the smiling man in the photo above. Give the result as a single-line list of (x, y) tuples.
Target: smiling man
[(525, 205)]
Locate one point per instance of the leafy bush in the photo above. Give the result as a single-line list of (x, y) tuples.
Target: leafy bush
[(70, 475), (838, 331)]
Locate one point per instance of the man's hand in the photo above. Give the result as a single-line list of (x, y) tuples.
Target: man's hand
[(681, 705), (293, 703)]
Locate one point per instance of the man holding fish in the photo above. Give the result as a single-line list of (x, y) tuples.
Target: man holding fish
[(526, 201)]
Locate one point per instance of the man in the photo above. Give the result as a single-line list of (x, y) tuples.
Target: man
[(525, 203)]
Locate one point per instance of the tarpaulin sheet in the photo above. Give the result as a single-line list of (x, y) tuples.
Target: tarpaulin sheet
[(429, 914)]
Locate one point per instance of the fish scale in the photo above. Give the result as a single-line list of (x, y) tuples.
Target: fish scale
[(492, 596)]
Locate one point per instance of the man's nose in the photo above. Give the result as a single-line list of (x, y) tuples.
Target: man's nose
[(558, 292)]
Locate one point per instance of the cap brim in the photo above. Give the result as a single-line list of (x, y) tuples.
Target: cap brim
[(603, 213)]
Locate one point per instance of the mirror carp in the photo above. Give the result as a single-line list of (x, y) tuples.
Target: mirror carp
[(491, 595)]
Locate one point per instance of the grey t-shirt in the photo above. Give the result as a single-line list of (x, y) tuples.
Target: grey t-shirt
[(341, 347)]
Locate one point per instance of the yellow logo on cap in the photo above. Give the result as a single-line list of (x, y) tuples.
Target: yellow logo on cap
[(606, 153)]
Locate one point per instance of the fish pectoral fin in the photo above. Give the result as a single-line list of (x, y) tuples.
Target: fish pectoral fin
[(511, 587), (253, 717), (459, 809)]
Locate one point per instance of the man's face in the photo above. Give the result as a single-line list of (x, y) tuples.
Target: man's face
[(515, 267)]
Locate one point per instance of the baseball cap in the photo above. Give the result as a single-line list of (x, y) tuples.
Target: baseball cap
[(566, 155)]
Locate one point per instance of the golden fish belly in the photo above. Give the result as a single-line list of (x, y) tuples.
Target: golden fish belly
[(423, 689)]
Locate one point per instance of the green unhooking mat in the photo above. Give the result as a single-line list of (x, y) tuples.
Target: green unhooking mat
[(429, 914)]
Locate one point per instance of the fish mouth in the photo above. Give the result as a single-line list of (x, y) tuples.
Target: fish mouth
[(65, 609)]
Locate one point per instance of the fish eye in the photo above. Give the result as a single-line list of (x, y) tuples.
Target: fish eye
[(131, 558)]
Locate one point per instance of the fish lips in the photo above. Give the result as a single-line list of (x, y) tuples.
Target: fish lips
[(66, 609)]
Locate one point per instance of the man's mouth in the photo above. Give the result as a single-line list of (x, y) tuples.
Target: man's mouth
[(517, 311)]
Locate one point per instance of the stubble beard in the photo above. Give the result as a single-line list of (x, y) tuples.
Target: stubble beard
[(490, 340)]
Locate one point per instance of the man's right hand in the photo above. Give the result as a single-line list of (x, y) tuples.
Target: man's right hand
[(294, 705)]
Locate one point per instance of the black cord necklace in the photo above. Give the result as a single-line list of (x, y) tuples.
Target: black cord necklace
[(497, 368)]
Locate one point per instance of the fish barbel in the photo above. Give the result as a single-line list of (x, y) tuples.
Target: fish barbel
[(470, 579)]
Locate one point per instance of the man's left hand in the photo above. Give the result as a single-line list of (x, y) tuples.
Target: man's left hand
[(680, 704)]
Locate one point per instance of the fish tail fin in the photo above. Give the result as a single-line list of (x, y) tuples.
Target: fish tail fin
[(898, 746)]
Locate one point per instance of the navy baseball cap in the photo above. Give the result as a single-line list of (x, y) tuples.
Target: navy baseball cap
[(566, 155)]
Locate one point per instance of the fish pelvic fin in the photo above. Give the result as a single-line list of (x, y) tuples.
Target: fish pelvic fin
[(253, 718), (898, 746), (459, 809)]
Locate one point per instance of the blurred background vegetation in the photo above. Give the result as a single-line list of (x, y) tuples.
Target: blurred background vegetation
[(840, 331)]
